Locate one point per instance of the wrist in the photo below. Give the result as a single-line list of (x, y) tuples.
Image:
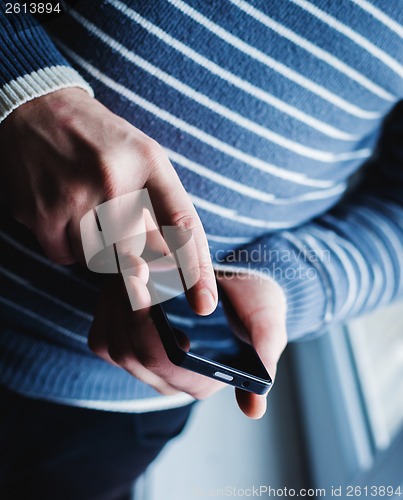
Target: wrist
[(301, 280), (38, 84), (39, 109)]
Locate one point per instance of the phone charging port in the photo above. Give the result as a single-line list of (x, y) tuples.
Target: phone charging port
[(223, 376)]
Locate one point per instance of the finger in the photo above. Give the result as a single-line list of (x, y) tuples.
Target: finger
[(98, 334), (261, 309), (234, 322), (149, 350), (152, 355), (260, 313), (155, 241), (174, 208), (252, 405), (121, 351), (107, 340)]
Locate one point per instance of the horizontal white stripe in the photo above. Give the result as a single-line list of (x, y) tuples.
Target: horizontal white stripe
[(43, 260), (194, 131), (352, 35), (37, 291), (220, 179), (228, 239), (233, 215), (127, 406), (41, 319), (234, 80), (272, 63), (215, 107), (380, 16), (249, 191), (313, 49)]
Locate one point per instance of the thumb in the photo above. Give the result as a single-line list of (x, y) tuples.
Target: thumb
[(252, 405), (261, 309)]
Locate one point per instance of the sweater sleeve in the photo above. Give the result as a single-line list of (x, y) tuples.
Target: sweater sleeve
[(30, 64), (347, 261)]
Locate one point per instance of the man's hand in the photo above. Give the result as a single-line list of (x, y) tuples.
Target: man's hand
[(62, 155), (260, 307), (129, 338), (65, 153)]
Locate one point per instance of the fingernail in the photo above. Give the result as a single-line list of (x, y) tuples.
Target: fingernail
[(205, 301)]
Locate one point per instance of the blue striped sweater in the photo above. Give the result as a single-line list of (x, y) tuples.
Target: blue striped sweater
[(271, 113)]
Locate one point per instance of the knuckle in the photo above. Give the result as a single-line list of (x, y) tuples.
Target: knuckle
[(197, 274), (156, 160), (79, 197), (115, 165), (151, 155), (186, 221), (151, 150), (109, 180), (191, 275), (205, 268)]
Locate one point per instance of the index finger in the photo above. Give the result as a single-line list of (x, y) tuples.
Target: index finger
[(173, 208)]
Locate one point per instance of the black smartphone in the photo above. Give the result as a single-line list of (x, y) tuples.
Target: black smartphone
[(218, 354)]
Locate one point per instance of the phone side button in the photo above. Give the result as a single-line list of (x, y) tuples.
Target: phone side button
[(223, 376)]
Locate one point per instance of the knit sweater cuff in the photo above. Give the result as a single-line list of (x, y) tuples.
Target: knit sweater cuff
[(36, 84), (302, 279)]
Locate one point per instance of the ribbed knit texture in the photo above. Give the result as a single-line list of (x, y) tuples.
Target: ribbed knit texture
[(30, 64), (266, 110)]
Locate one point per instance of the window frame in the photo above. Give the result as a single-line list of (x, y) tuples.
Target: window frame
[(339, 440)]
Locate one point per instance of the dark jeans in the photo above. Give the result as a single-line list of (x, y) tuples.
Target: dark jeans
[(57, 452)]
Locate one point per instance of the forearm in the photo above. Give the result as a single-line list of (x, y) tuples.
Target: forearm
[(349, 260), (341, 265)]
